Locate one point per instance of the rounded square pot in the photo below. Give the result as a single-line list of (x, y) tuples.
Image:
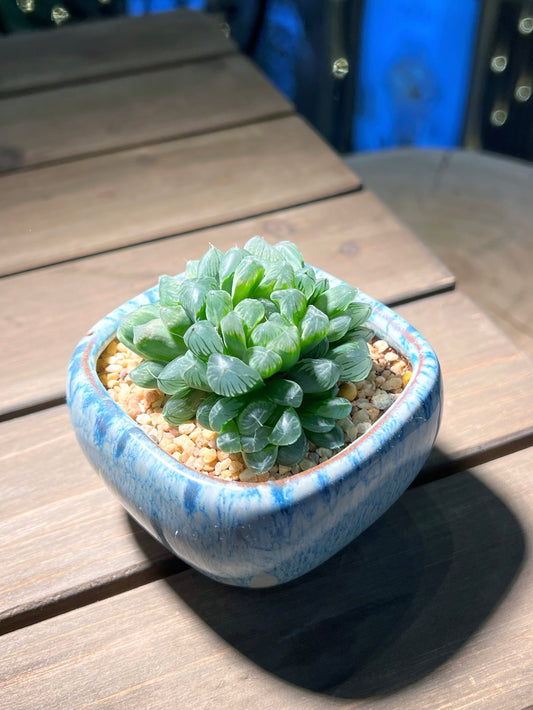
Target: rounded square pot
[(258, 534)]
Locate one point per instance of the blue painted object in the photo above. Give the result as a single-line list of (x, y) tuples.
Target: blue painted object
[(143, 7), (258, 534), (414, 72)]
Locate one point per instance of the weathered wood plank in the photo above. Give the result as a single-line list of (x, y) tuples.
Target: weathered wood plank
[(352, 236), (91, 50), (430, 608), (83, 207), (133, 110), (52, 500)]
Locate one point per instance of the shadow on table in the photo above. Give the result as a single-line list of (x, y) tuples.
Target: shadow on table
[(389, 608)]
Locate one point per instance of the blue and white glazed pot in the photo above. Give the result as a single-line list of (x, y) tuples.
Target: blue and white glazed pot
[(258, 534)]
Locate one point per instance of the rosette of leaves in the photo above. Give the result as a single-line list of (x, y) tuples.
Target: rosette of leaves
[(253, 344)]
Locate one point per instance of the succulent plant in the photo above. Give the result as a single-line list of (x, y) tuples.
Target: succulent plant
[(252, 344)]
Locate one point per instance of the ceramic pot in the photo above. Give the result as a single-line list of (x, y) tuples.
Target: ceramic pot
[(258, 534)]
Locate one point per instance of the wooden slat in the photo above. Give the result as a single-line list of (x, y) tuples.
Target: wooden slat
[(430, 608), (78, 208), (51, 500), (352, 236), (91, 50), (132, 110)]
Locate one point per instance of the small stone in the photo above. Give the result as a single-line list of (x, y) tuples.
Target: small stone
[(247, 476), (406, 377), (348, 390), (393, 383), (382, 400)]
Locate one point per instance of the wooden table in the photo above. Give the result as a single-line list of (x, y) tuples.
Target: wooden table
[(126, 147)]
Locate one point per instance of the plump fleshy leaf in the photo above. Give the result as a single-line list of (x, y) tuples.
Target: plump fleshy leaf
[(332, 439), (359, 313), (285, 277), (178, 410), (204, 409), (138, 317), (313, 328), (232, 329), (251, 312), (320, 350), (261, 461), (217, 305), (305, 281), (321, 286), (146, 374), (247, 276), (153, 341), (195, 372), (291, 303), (315, 375), (338, 327), (229, 263), (210, 262), (229, 439), (169, 287), (203, 340), (290, 253), (335, 408), (287, 345), (224, 410), (228, 376), (192, 295), (255, 415), (294, 453), (286, 393), (264, 361), (257, 440), (264, 251), (316, 423), (287, 429), (175, 319), (191, 270), (336, 299), (353, 360), (170, 379)]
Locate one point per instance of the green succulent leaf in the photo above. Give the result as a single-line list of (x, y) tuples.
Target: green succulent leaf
[(338, 327), (204, 409), (335, 408), (210, 262), (291, 303), (257, 440), (255, 415), (290, 253), (247, 276), (262, 250), (358, 334), (287, 345), (170, 379), (359, 313), (285, 277), (203, 340), (332, 439), (153, 341), (175, 319), (320, 350), (313, 328), (195, 372), (264, 361), (335, 300), (315, 375), (217, 305), (193, 293), (316, 423), (251, 312), (261, 461), (144, 314), (146, 374), (191, 270), (169, 287), (229, 439), (269, 307), (224, 410), (229, 263), (305, 281), (287, 429), (178, 410), (232, 329), (286, 393), (321, 286), (294, 453), (353, 360), (229, 376)]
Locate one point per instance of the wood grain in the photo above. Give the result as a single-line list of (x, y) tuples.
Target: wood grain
[(135, 109), (91, 50), (52, 501), (101, 203), (431, 608), (474, 210), (352, 236)]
